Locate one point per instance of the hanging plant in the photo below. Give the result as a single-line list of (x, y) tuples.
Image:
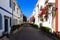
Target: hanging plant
[(43, 11), (46, 12), (39, 15), (48, 5), (54, 11), (46, 1), (46, 16)]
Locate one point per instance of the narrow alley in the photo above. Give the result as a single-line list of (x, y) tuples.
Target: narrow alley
[(30, 33), (29, 19)]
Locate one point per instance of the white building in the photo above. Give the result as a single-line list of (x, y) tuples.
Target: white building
[(10, 14), (5, 16), (53, 23), (17, 14), (35, 14)]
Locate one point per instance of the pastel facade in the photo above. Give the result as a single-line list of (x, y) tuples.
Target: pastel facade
[(17, 14), (57, 17), (5, 16)]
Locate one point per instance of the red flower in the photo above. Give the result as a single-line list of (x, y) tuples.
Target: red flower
[(56, 9), (43, 11)]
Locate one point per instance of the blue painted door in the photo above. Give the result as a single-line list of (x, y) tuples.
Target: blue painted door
[(0, 22), (6, 25)]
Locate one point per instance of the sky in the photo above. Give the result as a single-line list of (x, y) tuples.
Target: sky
[(27, 6)]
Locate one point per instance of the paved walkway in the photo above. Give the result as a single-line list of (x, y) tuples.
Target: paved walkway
[(30, 33)]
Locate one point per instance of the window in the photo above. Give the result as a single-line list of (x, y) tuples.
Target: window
[(10, 3), (17, 10), (13, 6), (38, 5)]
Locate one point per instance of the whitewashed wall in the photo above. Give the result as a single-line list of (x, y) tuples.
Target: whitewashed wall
[(59, 15), (17, 14), (6, 5)]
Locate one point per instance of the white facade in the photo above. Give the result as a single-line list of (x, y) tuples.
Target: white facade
[(6, 13), (48, 23), (17, 14), (35, 14), (55, 25)]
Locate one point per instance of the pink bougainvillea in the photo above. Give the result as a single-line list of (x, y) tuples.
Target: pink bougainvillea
[(31, 18)]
